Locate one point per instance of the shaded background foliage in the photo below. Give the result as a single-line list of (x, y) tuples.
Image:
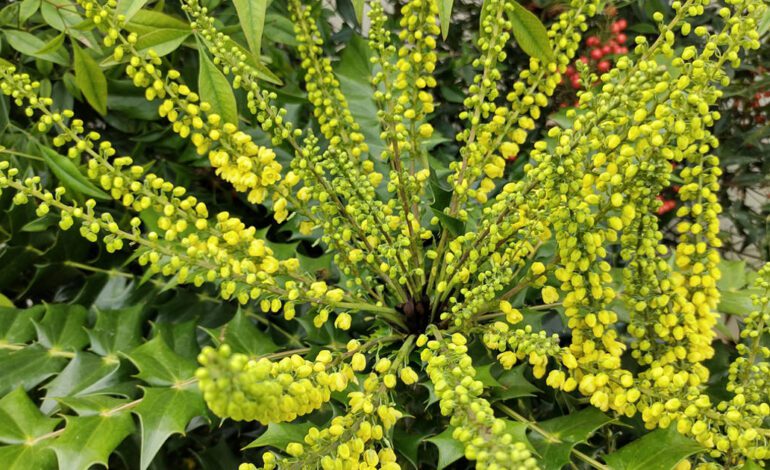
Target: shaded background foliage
[(105, 321)]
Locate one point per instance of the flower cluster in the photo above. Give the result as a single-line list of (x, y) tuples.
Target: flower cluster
[(408, 274), (245, 389), (238, 160), (484, 437)]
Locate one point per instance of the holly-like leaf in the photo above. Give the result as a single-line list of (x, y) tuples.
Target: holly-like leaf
[(530, 33), (16, 326), (163, 412), (251, 14), (160, 365), (661, 449), (216, 90), (89, 440), (69, 175), (87, 373), (445, 16), (90, 79), (21, 420), (91, 405), (243, 336), (449, 449), (569, 431), (27, 367), (26, 457), (513, 384), (279, 435), (117, 330), (454, 225), (63, 327)]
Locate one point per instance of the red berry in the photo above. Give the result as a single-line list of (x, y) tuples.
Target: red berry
[(621, 38), (596, 54), (583, 59), (606, 50), (570, 70), (576, 82), (623, 50), (603, 66), (592, 41), (668, 206), (622, 23)]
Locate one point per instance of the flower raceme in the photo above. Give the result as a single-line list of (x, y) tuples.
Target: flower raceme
[(416, 276)]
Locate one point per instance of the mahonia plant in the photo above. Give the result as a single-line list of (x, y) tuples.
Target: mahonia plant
[(416, 277)]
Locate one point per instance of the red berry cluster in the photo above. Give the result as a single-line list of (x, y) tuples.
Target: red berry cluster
[(760, 101), (598, 51)]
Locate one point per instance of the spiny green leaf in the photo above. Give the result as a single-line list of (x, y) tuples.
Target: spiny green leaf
[(530, 33), (21, 420), (25, 457), (16, 325), (251, 14), (279, 435), (117, 330), (182, 338), (243, 336), (63, 327), (91, 405), (69, 175), (449, 449), (89, 440), (455, 226), (90, 79), (29, 44), (513, 384), (87, 373), (661, 449), (215, 89), (159, 365), (27, 367), (570, 430), (163, 412), (445, 16)]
